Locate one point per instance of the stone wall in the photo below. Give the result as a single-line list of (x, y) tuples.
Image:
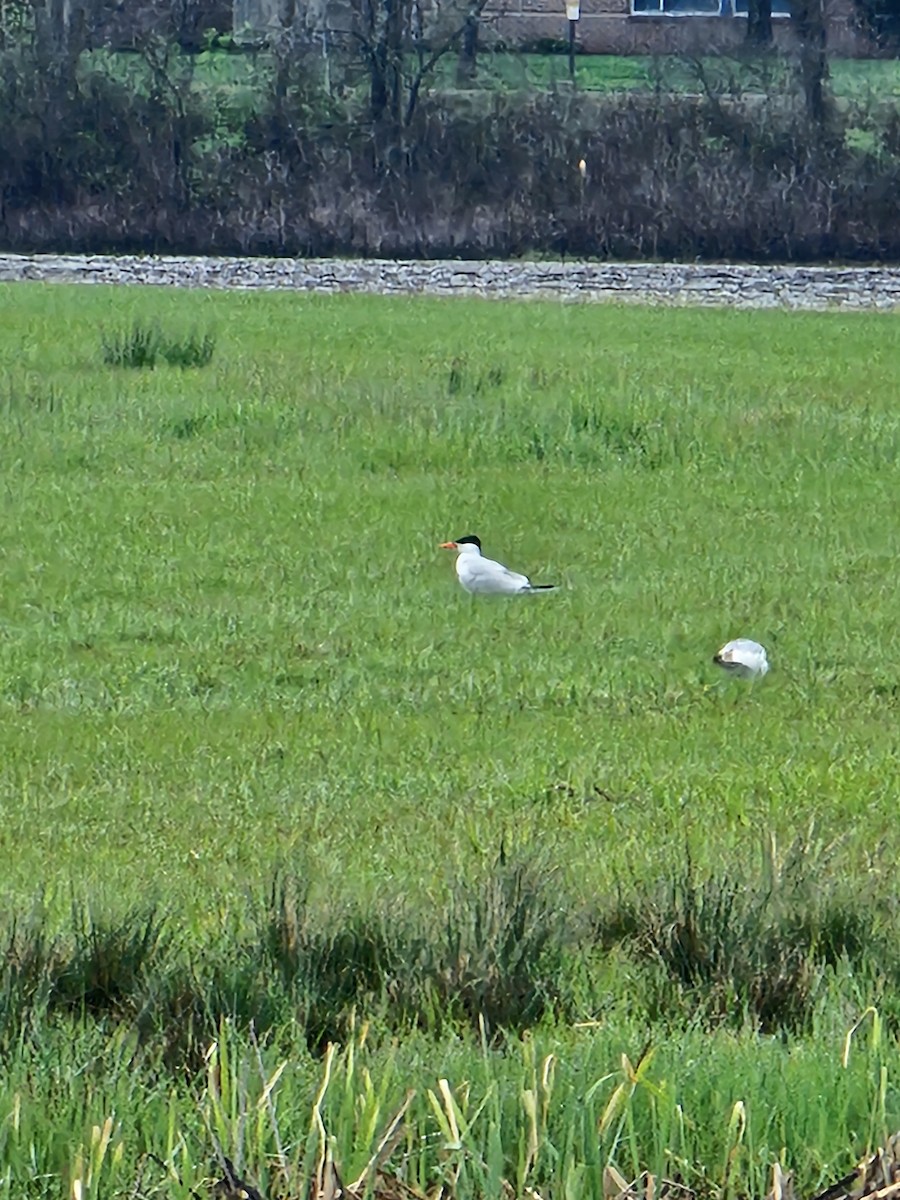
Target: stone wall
[(846, 288)]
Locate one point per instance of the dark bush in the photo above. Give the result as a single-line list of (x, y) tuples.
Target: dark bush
[(92, 161)]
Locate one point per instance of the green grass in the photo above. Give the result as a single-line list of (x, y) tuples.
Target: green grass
[(232, 81), (849, 78), (602, 73), (231, 578), (229, 645)]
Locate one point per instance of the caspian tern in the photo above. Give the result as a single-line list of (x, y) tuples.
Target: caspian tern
[(743, 657), (482, 576)]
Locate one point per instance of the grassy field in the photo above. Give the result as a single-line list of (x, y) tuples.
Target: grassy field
[(230, 652)]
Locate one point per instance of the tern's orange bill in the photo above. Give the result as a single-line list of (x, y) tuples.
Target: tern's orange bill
[(447, 546)]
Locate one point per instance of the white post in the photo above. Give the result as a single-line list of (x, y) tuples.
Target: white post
[(573, 12)]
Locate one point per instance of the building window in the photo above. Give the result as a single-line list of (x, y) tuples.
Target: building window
[(780, 8), (677, 8), (702, 8)]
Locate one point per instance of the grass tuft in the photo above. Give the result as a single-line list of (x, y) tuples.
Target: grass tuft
[(503, 957), (144, 345), (741, 944), (28, 963), (332, 964), (109, 961), (135, 347), (193, 350)]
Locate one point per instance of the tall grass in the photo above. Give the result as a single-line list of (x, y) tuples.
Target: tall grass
[(144, 345), (553, 1113), (509, 952)]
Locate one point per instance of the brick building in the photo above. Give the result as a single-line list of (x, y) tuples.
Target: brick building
[(665, 26), (605, 26)]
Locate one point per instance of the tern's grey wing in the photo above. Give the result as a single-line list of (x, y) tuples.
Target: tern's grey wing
[(486, 575), (518, 581)]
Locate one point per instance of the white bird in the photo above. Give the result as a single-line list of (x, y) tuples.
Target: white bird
[(482, 576), (743, 657)]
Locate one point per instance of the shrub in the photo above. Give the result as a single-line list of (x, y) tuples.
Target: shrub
[(91, 162)]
